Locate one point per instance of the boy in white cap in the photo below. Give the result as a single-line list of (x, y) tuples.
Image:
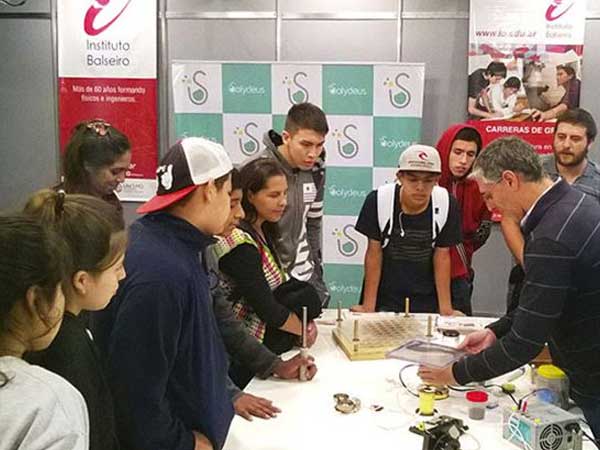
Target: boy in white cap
[(166, 359), (411, 226)]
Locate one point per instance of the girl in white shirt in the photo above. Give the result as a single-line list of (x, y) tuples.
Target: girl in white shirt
[(38, 409)]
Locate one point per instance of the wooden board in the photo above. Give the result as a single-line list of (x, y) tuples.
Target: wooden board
[(377, 335)]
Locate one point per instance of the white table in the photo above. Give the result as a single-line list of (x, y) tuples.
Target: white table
[(309, 421)]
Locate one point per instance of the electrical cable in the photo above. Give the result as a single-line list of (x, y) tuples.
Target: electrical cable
[(592, 440), (404, 385), (529, 394), (515, 432), (457, 389), (472, 436), (504, 391)]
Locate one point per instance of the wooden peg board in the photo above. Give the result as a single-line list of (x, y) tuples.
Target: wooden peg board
[(378, 334)]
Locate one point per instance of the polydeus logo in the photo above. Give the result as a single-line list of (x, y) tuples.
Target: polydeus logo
[(350, 246), (196, 91), (89, 22), (247, 142), (557, 9), (401, 98), (300, 95), (349, 149)]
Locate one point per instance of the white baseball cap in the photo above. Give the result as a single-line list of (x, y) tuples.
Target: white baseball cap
[(189, 163), (420, 158)]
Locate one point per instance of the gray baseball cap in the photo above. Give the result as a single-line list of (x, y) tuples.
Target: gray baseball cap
[(420, 158)]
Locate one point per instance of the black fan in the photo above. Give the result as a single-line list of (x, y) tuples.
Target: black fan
[(551, 437)]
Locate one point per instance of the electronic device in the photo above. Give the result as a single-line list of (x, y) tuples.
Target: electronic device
[(441, 433), (464, 325), (542, 427)]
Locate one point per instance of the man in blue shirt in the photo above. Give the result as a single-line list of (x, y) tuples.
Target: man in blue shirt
[(559, 300), (166, 359), (574, 133)]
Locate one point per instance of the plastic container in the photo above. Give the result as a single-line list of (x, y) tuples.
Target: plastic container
[(554, 384), (477, 403)]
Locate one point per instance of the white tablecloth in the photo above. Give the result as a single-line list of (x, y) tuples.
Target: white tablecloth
[(309, 421)]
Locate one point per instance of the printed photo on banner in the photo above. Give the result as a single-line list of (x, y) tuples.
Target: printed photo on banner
[(512, 82), (524, 67)]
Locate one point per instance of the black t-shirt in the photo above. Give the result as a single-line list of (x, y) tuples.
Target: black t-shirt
[(408, 258), (477, 83), (74, 356)]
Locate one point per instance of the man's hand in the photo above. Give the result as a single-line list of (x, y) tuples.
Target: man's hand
[(478, 341), (432, 375), (311, 333), (514, 215), (361, 308), (290, 369), (248, 405), (201, 442)]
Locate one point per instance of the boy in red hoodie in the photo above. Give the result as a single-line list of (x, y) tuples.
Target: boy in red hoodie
[(458, 147)]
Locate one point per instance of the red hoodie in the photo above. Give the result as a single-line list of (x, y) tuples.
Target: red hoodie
[(473, 208)]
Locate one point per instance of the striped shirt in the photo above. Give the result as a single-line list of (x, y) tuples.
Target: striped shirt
[(560, 300)]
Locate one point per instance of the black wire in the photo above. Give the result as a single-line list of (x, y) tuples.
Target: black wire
[(529, 394), (402, 381), (465, 389), (504, 391), (593, 441)]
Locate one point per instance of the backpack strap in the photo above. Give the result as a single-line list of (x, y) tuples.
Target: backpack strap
[(385, 211), (440, 206)]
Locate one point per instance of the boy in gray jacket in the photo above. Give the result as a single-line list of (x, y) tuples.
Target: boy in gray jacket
[(299, 149)]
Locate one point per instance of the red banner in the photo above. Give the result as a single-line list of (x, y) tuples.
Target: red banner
[(538, 134), (107, 69)]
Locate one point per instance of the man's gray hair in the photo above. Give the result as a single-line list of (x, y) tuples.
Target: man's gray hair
[(508, 153)]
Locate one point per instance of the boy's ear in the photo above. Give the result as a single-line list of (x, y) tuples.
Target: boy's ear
[(210, 190)]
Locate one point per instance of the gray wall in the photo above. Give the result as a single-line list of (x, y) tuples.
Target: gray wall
[(433, 31)]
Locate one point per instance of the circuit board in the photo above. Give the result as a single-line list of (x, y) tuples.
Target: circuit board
[(377, 334)]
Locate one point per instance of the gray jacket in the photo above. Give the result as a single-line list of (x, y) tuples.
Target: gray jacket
[(240, 345), (299, 247)]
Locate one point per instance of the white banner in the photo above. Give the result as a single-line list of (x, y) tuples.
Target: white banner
[(92, 44), (528, 22)]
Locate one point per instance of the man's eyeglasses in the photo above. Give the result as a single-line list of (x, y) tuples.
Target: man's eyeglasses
[(487, 195)]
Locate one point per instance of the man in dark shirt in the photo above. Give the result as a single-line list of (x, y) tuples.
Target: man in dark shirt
[(406, 260), (574, 133), (167, 363), (479, 80), (559, 301)]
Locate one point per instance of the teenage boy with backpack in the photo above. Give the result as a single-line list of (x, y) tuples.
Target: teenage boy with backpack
[(411, 226)]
